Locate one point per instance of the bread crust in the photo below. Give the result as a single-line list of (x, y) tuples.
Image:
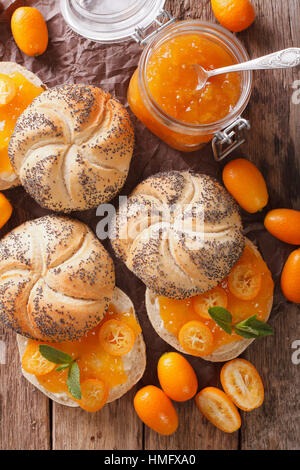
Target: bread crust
[(180, 233), (9, 180), (72, 147), (223, 353), (56, 279), (134, 362)]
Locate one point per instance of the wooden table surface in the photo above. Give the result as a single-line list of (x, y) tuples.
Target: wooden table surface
[(28, 420)]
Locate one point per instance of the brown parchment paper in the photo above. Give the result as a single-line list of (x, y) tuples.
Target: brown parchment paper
[(73, 59)]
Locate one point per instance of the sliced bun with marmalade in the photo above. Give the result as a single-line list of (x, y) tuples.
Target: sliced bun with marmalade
[(8, 177), (224, 348), (181, 234), (134, 362)]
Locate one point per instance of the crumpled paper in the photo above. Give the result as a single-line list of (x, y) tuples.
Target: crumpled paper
[(72, 59)]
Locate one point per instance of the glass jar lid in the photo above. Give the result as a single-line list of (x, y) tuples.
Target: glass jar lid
[(110, 21)]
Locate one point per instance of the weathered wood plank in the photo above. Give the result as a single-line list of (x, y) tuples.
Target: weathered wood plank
[(24, 412), (114, 427)]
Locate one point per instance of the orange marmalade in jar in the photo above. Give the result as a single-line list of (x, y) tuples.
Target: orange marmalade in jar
[(163, 91)]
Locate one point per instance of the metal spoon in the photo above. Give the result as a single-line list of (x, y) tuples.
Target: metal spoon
[(278, 60)]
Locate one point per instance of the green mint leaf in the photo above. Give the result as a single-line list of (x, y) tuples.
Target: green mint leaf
[(253, 328), (63, 367), (73, 381), (222, 317), (55, 355)]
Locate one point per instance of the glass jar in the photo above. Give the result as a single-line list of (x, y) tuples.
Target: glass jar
[(179, 134)]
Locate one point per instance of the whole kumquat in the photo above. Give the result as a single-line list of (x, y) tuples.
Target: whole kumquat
[(284, 224), (177, 377), (29, 30), (156, 410), (235, 15), (290, 277), (242, 383), (5, 210), (246, 184), (217, 407)]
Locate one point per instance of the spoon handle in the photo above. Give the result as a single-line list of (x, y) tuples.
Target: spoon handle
[(278, 60)]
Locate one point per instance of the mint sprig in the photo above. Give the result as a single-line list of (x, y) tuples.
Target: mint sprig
[(66, 362), (249, 328), (222, 317), (253, 328)]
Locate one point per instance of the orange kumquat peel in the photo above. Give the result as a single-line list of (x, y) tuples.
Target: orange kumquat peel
[(94, 394), (176, 376), (116, 337), (156, 410), (5, 210), (196, 338), (217, 407), (33, 362), (242, 383)]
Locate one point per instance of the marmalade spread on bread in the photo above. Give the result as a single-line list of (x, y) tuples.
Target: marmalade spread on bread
[(24, 93), (98, 354), (247, 291)]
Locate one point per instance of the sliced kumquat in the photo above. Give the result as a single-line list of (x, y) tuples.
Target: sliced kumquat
[(216, 297), (217, 407), (33, 362), (196, 338), (243, 384), (8, 89), (176, 376), (156, 410), (116, 337), (244, 282), (94, 394)]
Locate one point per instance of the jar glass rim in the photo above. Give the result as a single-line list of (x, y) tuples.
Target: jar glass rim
[(224, 37), (111, 17)]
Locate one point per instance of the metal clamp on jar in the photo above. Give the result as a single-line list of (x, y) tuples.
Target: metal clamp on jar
[(147, 23)]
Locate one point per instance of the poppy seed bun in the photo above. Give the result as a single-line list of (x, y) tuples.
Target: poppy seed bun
[(223, 353), (134, 362), (56, 279), (72, 148), (157, 237), (9, 179)]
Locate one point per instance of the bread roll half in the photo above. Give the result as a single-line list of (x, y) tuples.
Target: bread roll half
[(223, 353), (8, 180), (134, 362)]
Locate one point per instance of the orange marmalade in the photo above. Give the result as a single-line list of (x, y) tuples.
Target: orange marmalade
[(177, 313), (93, 361), (9, 113), (171, 82)]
